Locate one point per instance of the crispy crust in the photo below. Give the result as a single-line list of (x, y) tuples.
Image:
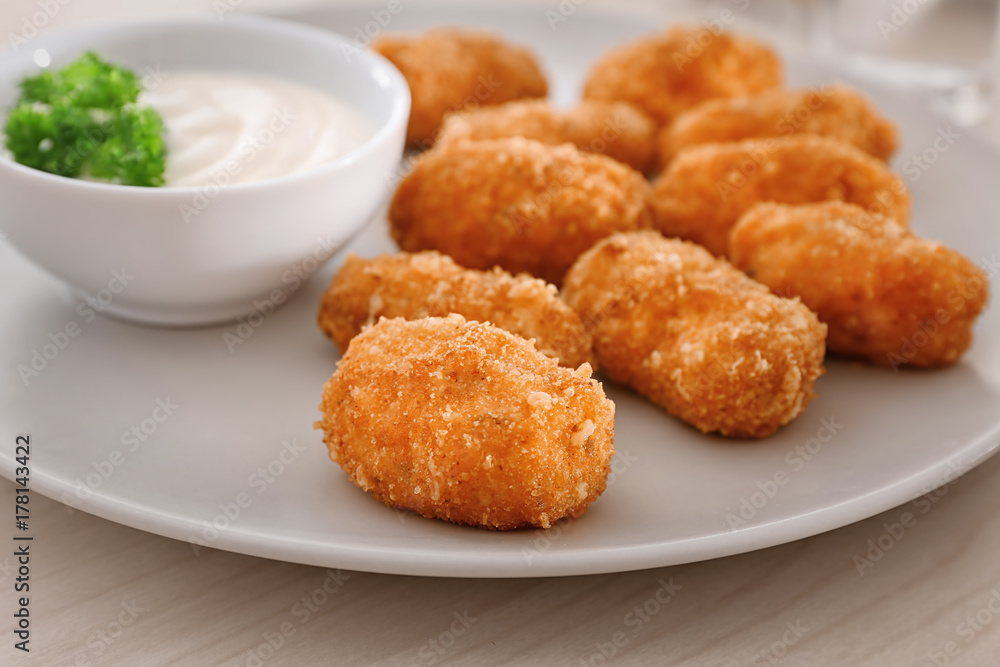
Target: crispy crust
[(465, 422), (706, 188), (516, 203), (668, 73), (615, 129), (449, 69), (888, 297), (696, 336), (429, 284), (836, 111)]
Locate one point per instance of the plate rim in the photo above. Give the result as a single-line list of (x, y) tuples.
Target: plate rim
[(514, 564), (506, 565)]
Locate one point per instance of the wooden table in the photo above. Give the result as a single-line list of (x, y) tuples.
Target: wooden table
[(105, 594)]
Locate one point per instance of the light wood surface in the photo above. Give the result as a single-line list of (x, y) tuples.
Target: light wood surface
[(105, 594), (88, 574)]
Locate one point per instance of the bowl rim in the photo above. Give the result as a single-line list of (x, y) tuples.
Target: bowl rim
[(374, 62)]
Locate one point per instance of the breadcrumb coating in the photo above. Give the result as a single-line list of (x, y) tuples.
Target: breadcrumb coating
[(466, 422), (695, 335), (887, 296), (449, 69), (668, 73), (835, 111), (708, 187), (516, 203), (429, 284), (615, 129)]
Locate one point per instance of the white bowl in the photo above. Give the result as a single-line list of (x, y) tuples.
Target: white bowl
[(130, 251)]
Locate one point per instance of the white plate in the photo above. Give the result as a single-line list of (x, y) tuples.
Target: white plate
[(678, 497)]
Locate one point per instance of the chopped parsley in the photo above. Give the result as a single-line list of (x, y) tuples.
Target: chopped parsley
[(83, 121)]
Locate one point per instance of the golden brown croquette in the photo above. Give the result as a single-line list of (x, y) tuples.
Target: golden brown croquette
[(429, 284), (668, 73), (516, 203), (616, 129), (449, 69), (886, 295), (708, 187), (838, 112), (466, 422), (695, 335)]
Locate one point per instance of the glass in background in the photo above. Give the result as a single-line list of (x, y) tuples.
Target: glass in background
[(781, 23), (945, 48)]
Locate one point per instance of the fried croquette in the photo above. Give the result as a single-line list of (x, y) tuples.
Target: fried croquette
[(469, 423), (887, 296), (706, 188), (615, 129), (451, 69), (516, 203), (429, 284), (668, 73), (836, 111), (695, 335)]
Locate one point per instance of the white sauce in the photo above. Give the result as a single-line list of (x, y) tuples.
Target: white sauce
[(225, 127)]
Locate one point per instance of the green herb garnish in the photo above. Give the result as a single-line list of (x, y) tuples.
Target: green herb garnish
[(83, 120)]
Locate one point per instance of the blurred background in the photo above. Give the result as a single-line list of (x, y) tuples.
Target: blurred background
[(944, 49)]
